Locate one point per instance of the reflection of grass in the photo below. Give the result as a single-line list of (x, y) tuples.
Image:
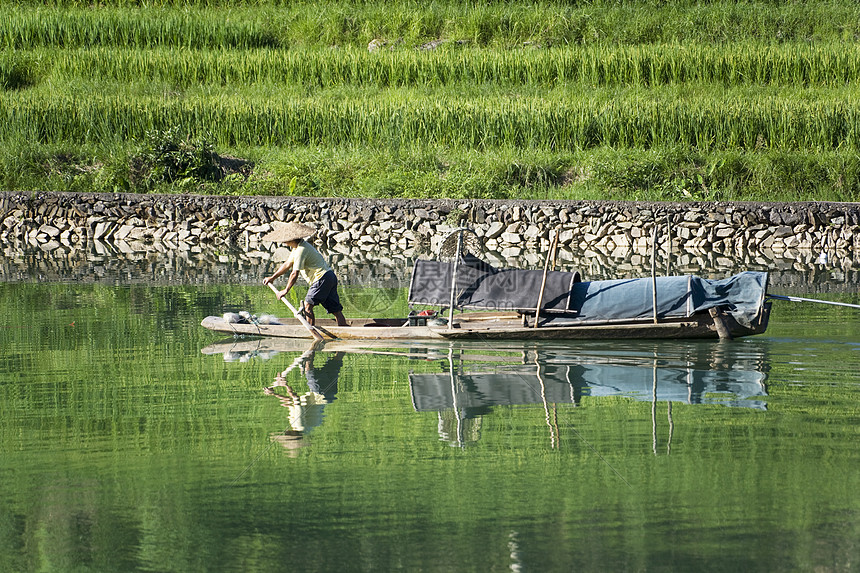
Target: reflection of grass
[(374, 302), (715, 397)]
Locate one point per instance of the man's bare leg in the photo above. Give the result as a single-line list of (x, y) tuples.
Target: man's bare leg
[(309, 313)]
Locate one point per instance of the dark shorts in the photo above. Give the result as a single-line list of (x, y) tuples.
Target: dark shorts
[(324, 292)]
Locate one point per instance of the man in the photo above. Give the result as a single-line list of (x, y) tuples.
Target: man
[(306, 261)]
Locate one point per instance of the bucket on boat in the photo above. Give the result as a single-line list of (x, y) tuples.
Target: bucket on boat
[(420, 318)]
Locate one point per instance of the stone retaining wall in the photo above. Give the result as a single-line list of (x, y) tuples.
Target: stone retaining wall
[(508, 227)]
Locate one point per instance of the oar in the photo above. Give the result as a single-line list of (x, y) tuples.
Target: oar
[(798, 299), (315, 345), (312, 329)]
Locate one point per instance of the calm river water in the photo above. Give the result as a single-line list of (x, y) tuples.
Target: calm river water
[(134, 440)]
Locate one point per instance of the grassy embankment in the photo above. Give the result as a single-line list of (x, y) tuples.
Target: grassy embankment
[(638, 100)]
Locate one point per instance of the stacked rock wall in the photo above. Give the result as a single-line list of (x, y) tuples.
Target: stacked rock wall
[(507, 227)]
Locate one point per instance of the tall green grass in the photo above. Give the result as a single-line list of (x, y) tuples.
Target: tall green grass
[(496, 24), (752, 64), (25, 28), (635, 119), (550, 99)]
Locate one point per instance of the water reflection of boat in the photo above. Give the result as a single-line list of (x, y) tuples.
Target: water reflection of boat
[(475, 377), (509, 372), (560, 378), (244, 349), (689, 374)]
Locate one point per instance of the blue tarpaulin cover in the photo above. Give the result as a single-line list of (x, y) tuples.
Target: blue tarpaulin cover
[(481, 286), (741, 295)]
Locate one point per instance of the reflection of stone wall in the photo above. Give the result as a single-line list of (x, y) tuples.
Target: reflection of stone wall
[(102, 262), (199, 239)]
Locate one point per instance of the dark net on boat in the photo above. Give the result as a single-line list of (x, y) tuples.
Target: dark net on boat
[(482, 286)]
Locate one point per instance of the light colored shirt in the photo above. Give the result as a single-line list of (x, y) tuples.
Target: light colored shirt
[(309, 262), (307, 413)]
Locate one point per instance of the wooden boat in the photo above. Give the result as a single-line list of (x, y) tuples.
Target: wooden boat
[(686, 307), (476, 326)]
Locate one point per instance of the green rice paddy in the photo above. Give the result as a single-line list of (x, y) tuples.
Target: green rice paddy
[(618, 100)]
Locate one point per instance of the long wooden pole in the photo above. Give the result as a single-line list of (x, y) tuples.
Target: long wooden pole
[(654, 271), (549, 256), (668, 246), (312, 329), (454, 280), (798, 299)]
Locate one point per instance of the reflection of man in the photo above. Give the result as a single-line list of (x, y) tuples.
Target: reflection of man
[(306, 410)]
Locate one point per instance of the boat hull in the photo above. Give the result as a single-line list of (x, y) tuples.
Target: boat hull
[(480, 326)]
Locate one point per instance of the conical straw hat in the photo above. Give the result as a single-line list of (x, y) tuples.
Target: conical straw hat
[(289, 232)]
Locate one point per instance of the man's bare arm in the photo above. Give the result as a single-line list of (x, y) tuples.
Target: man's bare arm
[(281, 270)]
